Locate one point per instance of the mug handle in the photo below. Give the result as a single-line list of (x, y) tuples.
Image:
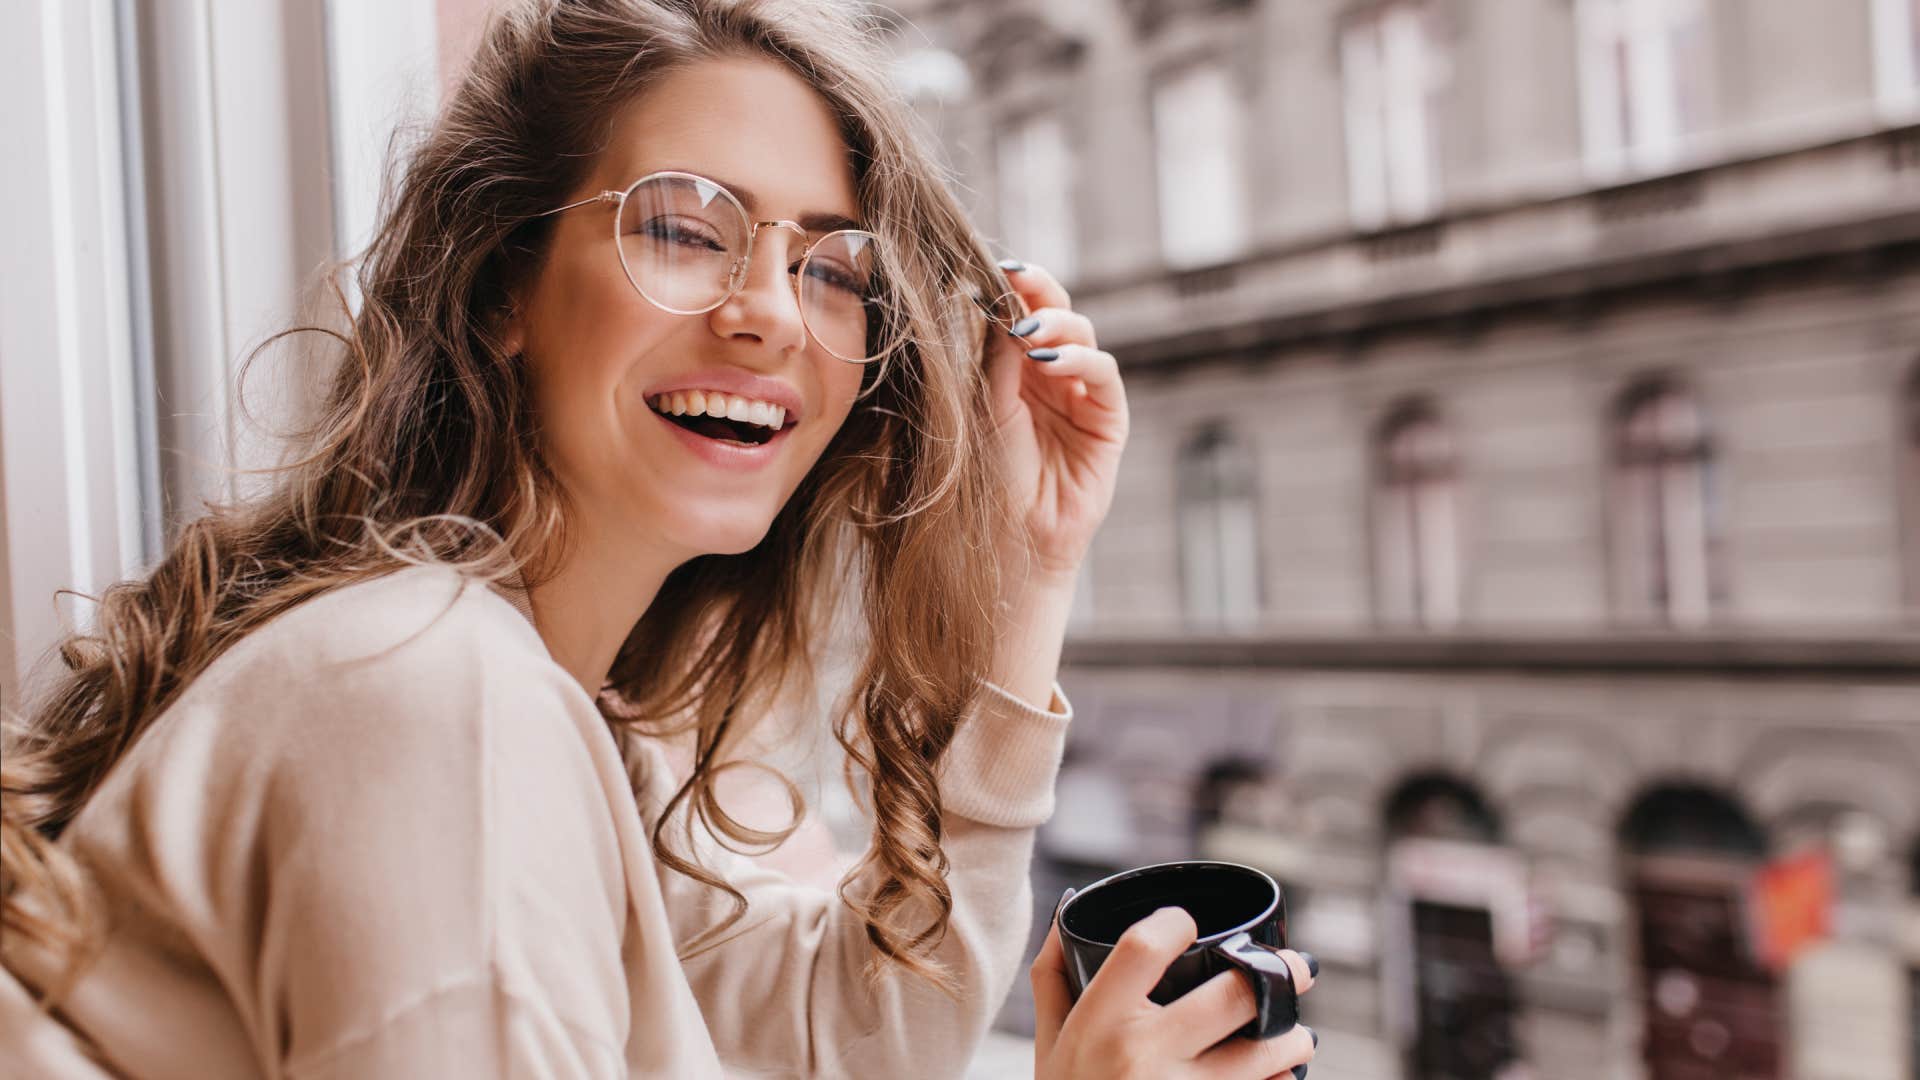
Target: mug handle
[(1273, 989)]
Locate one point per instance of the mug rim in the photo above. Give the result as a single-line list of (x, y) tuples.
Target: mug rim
[(1203, 942)]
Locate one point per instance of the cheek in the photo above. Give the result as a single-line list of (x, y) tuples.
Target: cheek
[(840, 385), (588, 330)]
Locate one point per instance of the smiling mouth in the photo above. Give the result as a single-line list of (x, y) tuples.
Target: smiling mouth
[(726, 419), (720, 429)]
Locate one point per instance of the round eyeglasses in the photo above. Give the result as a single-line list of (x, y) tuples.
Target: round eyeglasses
[(685, 244)]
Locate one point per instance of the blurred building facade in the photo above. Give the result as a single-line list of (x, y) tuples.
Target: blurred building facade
[(1516, 549)]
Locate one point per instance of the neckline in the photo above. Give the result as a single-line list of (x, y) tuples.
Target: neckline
[(514, 592)]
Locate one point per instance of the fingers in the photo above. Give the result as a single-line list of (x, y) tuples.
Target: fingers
[(1052, 998), (1138, 961), (1210, 1012), (1257, 1059), (1036, 285), (1097, 369), (1220, 1006), (1305, 969), (1055, 326)]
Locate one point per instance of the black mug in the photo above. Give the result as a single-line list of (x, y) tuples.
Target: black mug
[(1241, 914)]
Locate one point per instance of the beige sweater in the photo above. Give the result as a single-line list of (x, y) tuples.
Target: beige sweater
[(387, 835)]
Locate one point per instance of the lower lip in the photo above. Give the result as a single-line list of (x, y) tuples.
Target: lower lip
[(727, 455)]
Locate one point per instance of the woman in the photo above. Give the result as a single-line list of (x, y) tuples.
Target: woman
[(671, 345)]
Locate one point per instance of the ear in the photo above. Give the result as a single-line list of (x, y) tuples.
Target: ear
[(510, 322), (513, 330)]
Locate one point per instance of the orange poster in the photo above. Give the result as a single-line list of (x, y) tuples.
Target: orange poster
[(1792, 905)]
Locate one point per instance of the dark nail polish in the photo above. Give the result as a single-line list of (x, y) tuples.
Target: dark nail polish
[(1299, 1072), (1011, 265), (1315, 1036), (1043, 354), (1025, 326), (1313, 963)]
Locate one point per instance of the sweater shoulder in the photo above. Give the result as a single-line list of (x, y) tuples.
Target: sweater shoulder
[(393, 665), (423, 622)]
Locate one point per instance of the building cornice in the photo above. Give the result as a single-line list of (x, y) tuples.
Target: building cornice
[(1894, 654), (1651, 233)]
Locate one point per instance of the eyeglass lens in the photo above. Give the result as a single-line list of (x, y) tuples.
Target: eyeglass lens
[(682, 239)]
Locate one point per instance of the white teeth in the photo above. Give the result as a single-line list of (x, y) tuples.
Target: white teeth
[(727, 406)]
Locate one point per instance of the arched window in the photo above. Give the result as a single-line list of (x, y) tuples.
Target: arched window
[(1435, 806), (1460, 900), (1691, 852), (1416, 545), (1664, 514), (1218, 511)]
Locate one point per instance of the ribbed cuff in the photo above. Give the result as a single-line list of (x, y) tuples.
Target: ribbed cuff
[(1001, 766)]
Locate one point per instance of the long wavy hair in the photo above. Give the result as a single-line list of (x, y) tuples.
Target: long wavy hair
[(424, 448)]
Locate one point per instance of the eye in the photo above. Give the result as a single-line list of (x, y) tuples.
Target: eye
[(838, 276), (681, 232)]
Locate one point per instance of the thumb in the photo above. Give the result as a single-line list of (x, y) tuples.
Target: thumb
[(1052, 999), (1005, 359)]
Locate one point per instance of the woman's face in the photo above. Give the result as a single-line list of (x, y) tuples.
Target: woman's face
[(603, 360)]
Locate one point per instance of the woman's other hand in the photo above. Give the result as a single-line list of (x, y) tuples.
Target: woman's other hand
[(1115, 1033), (1061, 414)]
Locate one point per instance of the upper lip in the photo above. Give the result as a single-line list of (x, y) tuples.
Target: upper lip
[(735, 381)]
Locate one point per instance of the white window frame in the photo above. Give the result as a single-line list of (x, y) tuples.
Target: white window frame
[(204, 172), (1632, 121), (1393, 70), (1198, 126), (1896, 58), (75, 471), (1035, 168), (382, 72)]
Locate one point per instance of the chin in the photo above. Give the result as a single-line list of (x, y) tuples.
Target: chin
[(725, 534)]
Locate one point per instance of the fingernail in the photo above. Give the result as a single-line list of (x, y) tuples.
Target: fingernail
[(1011, 265), (1299, 1072), (1025, 326), (1043, 354), (1313, 963), (1315, 1036)]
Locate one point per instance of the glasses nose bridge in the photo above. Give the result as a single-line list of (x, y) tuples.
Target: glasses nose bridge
[(745, 261)]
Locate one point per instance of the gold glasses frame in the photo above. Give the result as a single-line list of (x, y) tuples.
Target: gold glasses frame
[(737, 273)]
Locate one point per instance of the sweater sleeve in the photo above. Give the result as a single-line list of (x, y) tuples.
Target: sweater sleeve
[(787, 997), (440, 890)]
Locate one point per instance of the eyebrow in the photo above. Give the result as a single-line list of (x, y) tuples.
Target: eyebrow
[(814, 221)]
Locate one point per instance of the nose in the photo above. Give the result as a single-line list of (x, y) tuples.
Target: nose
[(766, 306)]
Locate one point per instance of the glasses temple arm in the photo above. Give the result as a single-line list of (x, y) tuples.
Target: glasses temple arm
[(605, 196)]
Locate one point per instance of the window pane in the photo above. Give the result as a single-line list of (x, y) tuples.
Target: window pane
[(1036, 199), (1664, 515), (1366, 126), (1197, 137), (1218, 522), (1416, 544)]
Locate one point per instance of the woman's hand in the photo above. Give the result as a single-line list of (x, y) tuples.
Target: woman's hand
[(1114, 1032), (1062, 422)]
